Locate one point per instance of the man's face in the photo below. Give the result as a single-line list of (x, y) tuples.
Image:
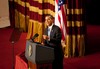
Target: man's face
[(48, 21)]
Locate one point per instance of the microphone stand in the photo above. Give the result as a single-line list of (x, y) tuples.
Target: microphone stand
[(12, 54), (13, 39)]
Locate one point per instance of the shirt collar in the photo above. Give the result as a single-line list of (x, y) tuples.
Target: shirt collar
[(50, 27)]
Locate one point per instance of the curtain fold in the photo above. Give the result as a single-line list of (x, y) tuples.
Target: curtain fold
[(11, 13), (75, 43)]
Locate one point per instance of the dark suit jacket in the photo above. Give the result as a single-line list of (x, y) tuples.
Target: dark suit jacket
[(55, 41)]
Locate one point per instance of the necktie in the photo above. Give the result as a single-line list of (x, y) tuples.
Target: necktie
[(49, 32)]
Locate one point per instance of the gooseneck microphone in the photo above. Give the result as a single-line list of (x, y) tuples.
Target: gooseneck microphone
[(36, 35)]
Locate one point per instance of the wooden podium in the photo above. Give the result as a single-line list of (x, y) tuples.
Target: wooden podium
[(39, 56)]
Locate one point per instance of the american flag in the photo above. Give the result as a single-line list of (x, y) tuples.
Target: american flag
[(60, 16)]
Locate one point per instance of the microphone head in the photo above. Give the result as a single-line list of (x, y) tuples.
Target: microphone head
[(36, 35)]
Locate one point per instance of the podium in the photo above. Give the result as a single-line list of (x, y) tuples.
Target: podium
[(38, 55)]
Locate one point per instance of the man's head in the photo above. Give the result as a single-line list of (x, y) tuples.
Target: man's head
[(49, 19)]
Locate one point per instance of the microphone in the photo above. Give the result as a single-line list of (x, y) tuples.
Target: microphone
[(36, 35)]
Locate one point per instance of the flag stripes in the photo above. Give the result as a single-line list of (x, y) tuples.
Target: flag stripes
[(60, 17)]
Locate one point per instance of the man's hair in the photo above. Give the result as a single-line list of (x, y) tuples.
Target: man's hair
[(50, 16)]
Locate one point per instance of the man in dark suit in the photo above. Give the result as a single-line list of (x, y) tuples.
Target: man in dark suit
[(52, 38)]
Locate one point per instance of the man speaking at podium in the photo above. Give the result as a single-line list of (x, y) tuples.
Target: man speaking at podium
[(52, 38)]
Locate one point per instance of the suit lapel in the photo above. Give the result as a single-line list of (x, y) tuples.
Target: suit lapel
[(46, 31), (52, 30)]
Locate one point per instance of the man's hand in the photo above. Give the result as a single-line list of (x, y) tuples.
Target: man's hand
[(45, 37)]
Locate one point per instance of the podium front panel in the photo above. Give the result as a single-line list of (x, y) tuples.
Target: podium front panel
[(37, 53), (44, 54)]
